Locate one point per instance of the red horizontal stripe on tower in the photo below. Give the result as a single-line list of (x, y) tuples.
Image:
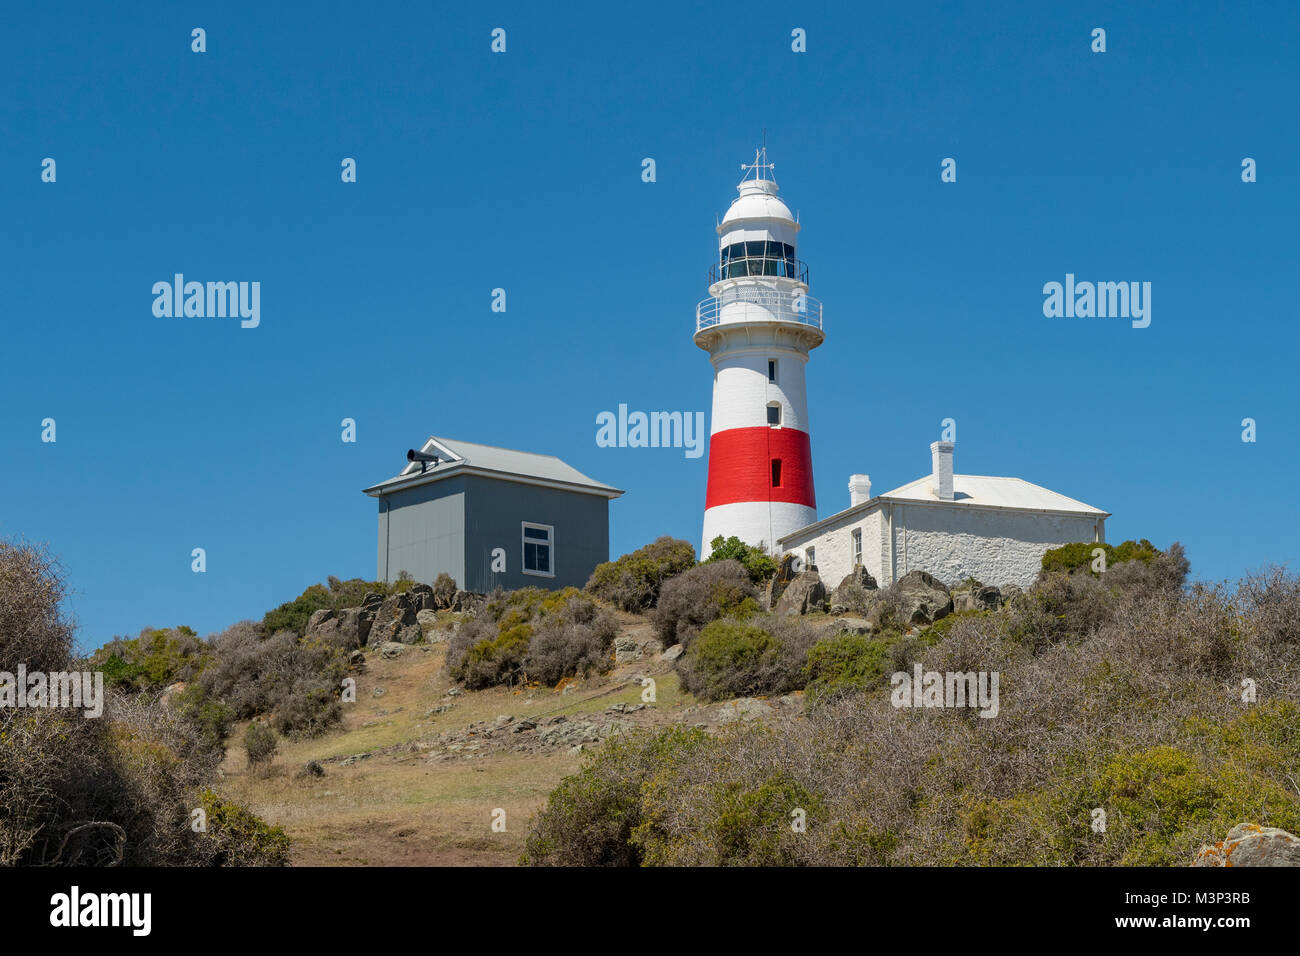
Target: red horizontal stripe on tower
[(740, 466)]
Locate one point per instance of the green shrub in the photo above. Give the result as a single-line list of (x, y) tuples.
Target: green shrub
[(238, 837), (848, 664), (757, 563), (732, 658), (531, 634), (1079, 556), (693, 598), (632, 583), (260, 743), (589, 818), (153, 660)]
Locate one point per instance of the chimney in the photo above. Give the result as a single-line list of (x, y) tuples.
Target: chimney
[(859, 489), (941, 456)]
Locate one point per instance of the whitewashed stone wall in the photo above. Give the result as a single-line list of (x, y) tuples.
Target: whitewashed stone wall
[(952, 542)]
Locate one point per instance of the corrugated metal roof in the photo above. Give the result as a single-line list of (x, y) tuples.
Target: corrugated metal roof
[(459, 456), (994, 492)]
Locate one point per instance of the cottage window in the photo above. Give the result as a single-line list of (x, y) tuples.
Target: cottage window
[(539, 542), (857, 547)]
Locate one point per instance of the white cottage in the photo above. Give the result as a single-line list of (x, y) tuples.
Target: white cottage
[(954, 526)]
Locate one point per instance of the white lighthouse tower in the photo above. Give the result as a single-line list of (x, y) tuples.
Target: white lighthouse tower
[(758, 326)]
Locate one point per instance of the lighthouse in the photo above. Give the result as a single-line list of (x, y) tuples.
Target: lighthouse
[(758, 325)]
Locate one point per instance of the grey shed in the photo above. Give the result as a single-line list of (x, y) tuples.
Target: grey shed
[(492, 517)]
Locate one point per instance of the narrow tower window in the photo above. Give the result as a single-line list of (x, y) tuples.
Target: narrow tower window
[(771, 370), (776, 472)]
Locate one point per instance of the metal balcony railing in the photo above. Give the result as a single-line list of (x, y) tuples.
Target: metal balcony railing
[(756, 304), (759, 266)]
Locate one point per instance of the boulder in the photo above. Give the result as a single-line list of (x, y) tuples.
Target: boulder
[(743, 708), (422, 597), (411, 634), (341, 629), (854, 595), (1010, 594), (626, 649), (976, 597), (672, 653), (391, 649), (785, 573), (169, 694), (857, 626), (467, 601), (395, 613), (1250, 845), (804, 594), (924, 600)]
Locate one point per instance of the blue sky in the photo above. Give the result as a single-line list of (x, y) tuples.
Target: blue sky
[(523, 171)]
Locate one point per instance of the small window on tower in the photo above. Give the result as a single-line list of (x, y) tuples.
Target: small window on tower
[(774, 414), (771, 370), (776, 472)]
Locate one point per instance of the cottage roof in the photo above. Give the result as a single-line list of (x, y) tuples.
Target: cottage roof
[(970, 491)]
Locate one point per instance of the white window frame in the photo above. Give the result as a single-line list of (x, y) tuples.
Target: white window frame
[(855, 537), (523, 547), (780, 415), (810, 556)]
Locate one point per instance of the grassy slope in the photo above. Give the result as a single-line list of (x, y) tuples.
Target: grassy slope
[(400, 807)]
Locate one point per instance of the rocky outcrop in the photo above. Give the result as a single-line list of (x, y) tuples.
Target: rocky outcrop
[(855, 594), (805, 593), (1250, 845), (346, 629), (396, 617), (976, 597), (785, 573), (924, 600)]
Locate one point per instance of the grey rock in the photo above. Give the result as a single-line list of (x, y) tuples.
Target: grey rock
[(804, 594), (391, 649), (410, 634), (672, 653), (743, 708), (785, 573), (924, 599), (1250, 845), (341, 629), (626, 649)]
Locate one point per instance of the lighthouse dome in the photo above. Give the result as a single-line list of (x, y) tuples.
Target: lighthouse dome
[(757, 200)]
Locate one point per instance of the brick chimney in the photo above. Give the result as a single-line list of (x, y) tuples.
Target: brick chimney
[(941, 457), (859, 489)]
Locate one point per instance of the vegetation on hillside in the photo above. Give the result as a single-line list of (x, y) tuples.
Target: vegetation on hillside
[(1120, 693), (532, 635), (632, 582), (117, 789)]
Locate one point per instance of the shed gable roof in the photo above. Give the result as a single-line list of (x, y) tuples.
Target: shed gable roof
[(462, 457)]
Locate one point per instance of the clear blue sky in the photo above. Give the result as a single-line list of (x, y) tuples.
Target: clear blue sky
[(523, 171)]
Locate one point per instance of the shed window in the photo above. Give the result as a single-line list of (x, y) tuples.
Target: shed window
[(539, 543)]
